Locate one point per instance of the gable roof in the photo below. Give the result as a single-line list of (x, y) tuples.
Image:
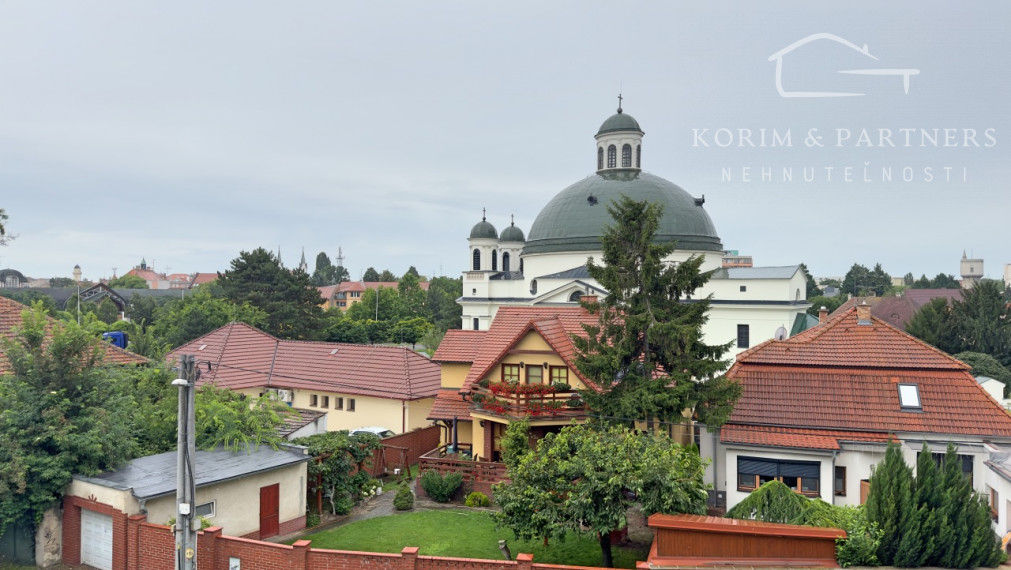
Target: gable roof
[(449, 404), (511, 324), (844, 376), (240, 356), (459, 346), (155, 475), (10, 319)]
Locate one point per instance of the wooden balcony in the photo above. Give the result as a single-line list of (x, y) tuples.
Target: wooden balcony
[(517, 401)]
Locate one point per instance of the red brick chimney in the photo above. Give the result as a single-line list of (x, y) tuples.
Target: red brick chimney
[(863, 314), (822, 314), (588, 298)]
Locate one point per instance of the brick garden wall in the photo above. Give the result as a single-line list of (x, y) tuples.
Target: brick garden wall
[(139, 544)]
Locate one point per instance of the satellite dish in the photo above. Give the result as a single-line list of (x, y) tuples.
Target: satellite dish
[(781, 333)]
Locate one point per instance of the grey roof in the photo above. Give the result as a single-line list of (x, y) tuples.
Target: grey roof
[(155, 475), (983, 379), (619, 121), (512, 233), (507, 276), (575, 219), (483, 229), (580, 272), (782, 272)]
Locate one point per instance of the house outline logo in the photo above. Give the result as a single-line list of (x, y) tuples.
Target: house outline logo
[(778, 58)]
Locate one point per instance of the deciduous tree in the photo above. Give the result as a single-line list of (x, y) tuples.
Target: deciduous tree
[(128, 282), (60, 413), (584, 480)]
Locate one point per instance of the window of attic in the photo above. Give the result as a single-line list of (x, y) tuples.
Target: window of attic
[(909, 396)]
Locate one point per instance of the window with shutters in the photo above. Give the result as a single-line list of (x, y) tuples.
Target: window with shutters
[(801, 476)]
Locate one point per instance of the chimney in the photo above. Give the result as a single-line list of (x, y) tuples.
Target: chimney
[(863, 314), (588, 298), (822, 314)]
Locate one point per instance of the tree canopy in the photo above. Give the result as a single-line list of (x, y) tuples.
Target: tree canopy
[(979, 322), (646, 354), (860, 281), (584, 479), (128, 282), (4, 236), (60, 414), (291, 303)]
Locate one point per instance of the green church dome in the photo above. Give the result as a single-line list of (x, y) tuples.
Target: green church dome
[(483, 229), (576, 217), (619, 122), (512, 233)]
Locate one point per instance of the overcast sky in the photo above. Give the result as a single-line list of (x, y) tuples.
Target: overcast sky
[(185, 132)]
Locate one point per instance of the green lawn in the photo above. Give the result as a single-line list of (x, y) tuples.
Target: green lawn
[(463, 533)]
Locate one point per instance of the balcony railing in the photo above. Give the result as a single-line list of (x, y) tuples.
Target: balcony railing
[(480, 475), (526, 400)]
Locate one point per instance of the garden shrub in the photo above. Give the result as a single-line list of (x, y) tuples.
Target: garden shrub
[(440, 488), (404, 501), (860, 547), (478, 499)]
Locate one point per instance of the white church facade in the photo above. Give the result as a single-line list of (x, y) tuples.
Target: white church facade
[(547, 266)]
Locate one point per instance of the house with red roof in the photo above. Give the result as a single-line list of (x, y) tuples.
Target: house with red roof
[(348, 293), (11, 319), (522, 366), (356, 385), (818, 410)]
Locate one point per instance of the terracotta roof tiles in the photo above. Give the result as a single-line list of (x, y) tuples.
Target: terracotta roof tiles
[(449, 403), (842, 375), (240, 356), (10, 319), (555, 324), (459, 346)]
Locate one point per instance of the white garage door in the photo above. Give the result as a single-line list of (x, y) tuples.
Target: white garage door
[(96, 539)]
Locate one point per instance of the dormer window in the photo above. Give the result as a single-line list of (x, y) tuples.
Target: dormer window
[(909, 397), (612, 156), (626, 156)]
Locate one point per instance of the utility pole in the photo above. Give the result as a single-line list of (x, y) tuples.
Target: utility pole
[(186, 521)]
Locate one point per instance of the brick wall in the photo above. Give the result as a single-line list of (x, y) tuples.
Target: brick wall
[(139, 544)]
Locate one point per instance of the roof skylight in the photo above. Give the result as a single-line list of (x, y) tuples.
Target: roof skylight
[(909, 396)]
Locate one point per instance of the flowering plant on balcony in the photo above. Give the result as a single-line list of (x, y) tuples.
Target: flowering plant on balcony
[(544, 408), (521, 389)]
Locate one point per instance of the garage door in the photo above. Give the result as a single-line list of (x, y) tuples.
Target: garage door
[(96, 539)]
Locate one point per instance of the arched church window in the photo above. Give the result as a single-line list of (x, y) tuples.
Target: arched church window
[(494, 260), (612, 156), (600, 157), (477, 260), (626, 156), (505, 261), (638, 156), (533, 287)]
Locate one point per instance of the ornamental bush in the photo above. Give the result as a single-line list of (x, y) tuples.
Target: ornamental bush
[(404, 501), (478, 499), (438, 487)]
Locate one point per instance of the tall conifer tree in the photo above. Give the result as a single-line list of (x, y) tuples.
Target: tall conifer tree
[(646, 354)]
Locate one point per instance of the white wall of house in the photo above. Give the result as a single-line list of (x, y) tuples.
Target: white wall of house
[(735, 496)]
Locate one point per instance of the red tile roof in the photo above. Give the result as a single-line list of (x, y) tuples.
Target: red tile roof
[(201, 278), (795, 437), (10, 319), (841, 341), (512, 323), (449, 403), (459, 346), (842, 375), (241, 356)]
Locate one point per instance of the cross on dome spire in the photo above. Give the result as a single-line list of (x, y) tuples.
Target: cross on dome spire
[(483, 214), (619, 102)]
